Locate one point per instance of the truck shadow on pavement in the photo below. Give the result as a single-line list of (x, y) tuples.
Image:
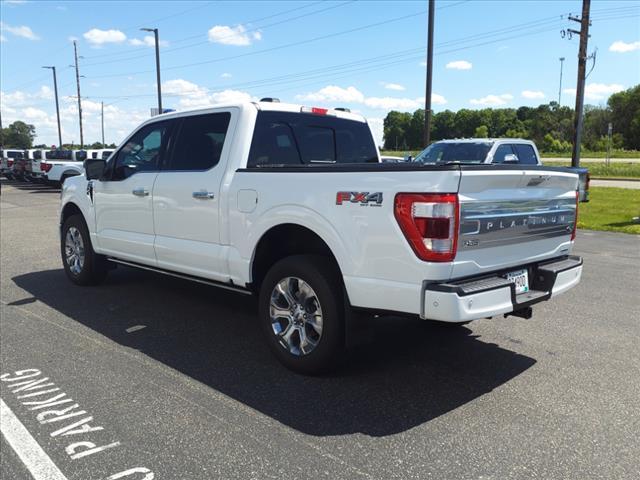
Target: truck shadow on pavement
[(409, 373)]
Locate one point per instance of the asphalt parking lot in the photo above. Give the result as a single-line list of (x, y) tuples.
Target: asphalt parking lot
[(178, 384)]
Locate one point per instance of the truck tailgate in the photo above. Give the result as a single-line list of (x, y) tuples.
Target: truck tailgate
[(510, 217)]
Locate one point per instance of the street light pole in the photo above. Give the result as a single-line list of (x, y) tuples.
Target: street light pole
[(560, 89), (55, 89), (102, 121), (155, 34)]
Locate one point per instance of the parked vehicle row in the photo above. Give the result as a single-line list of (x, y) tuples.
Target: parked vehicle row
[(51, 167), (293, 204)]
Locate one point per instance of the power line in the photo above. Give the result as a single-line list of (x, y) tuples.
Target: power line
[(200, 35), (252, 30), (279, 47)]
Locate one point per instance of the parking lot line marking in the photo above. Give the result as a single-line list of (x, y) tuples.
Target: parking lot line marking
[(30, 452)]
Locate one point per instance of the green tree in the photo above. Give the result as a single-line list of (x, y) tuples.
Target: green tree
[(625, 116), (481, 132), (18, 135), (396, 125)]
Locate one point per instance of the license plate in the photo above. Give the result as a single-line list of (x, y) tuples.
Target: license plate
[(520, 278)]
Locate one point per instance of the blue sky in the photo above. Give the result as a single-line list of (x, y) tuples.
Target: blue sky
[(366, 55)]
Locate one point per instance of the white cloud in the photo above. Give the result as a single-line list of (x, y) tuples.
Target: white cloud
[(21, 31), (192, 95), (237, 35), (333, 93), (597, 91), (423, 64), (377, 129), (532, 94), (19, 98), (148, 41), (393, 86), (391, 103), (492, 100), (31, 113), (623, 47), (336, 94), (96, 36), (459, 65), (226, 75), (3, 38)]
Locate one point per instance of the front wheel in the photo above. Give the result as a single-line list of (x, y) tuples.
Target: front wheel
[(82, 265), (302, 313)]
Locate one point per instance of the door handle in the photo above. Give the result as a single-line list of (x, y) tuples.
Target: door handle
[(140, 192), (203, 195)]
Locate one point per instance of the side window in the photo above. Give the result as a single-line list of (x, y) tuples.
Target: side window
[(526, 154), (501, 152), (273, 144), (142, 152), (200, 141), (294, 139)]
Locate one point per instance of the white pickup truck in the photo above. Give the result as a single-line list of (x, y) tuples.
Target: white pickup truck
[(293, 204), (59, 165)]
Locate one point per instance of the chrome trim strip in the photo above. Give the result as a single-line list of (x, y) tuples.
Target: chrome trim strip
[(488, 224), (204, 281)]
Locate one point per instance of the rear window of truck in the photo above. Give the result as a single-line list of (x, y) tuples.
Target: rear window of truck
[(288, 138), (58, 155)]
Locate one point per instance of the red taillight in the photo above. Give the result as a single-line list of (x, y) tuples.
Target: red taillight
[(575, 221), (429, 222), (317, 111), (9, 163), (45, 167)]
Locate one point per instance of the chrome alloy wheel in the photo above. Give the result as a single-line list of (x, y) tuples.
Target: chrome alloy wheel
[(74, 250), (296, 316)]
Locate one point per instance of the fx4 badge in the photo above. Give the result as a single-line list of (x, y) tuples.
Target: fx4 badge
[(363, 198)]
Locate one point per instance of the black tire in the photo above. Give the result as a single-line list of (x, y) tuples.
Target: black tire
[(326, 283), (94, 267)]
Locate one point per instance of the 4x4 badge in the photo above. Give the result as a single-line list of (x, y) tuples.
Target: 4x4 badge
[(363, 198)]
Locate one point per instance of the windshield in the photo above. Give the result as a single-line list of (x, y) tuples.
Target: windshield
[(448, 152)]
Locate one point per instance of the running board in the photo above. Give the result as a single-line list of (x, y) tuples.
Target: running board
[(183, 276)]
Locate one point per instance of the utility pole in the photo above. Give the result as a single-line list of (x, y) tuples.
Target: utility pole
[(75, 54), (155, 34), (102, 121), (55, 89), (582, 63), (560, 89), (427, 98)]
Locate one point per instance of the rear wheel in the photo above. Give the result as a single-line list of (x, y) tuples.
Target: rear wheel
[(82, 265), (302, 313)]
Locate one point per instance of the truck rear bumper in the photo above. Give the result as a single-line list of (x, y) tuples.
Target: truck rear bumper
[(485, 296)]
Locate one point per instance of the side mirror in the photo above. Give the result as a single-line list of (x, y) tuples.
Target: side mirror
[(408, 158), (94, 168), (511, 158)]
